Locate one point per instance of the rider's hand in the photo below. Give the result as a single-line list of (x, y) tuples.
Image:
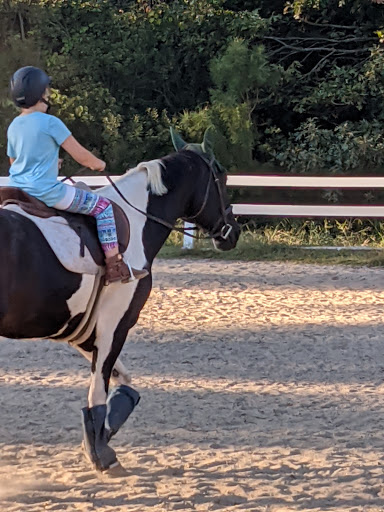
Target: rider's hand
[(60, 163), (100, 165)]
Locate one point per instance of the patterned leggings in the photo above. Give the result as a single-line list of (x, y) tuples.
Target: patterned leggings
[(99, 207)]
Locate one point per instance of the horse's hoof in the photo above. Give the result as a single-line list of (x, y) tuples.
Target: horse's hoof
[(115, 467), (116, 470)]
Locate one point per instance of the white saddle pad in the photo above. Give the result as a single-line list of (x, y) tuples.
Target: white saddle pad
[(63, 241)]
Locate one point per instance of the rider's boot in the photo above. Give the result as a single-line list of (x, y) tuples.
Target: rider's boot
[(117, 270)]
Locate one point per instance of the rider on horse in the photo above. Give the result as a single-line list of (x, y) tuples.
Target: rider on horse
[(34, 140)]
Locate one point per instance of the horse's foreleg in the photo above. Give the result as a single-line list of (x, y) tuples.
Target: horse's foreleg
[(120, 375), (96, 435), (119, 405), (123, 399), (105, 415)]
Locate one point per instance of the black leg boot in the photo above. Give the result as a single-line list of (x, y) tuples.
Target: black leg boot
[(120, 404), (96, 438)]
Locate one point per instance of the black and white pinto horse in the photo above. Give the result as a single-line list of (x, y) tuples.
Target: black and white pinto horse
[(39, 298)]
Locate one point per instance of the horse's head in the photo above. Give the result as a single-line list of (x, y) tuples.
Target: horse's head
[(210, 208)]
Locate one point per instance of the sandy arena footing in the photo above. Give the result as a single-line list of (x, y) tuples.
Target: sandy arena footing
[(262, 390)]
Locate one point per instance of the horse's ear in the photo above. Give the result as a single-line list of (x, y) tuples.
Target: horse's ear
[(207, 144), (177, 141)]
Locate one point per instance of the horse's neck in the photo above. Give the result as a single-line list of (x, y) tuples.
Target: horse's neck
[(169, 208), (133, 186)]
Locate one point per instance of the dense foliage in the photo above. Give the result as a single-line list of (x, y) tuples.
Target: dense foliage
[(295, 84)]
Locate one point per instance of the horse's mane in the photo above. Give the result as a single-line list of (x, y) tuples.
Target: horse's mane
[(158, 169), (153, 169)]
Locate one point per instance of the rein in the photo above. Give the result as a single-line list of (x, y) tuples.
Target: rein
[(149, 215), (225, 230), (215, 232)]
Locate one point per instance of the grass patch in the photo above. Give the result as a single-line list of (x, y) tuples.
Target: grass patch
[(257, 249)]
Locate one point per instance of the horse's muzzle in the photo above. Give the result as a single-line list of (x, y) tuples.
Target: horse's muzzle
[(228, 236)]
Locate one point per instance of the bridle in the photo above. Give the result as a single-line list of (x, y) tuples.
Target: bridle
[(226, 228), (216, 232)]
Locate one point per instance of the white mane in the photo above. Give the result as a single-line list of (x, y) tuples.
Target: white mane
[(153, 170)]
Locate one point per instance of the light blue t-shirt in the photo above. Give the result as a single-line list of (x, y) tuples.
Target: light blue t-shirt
[(34, 141)]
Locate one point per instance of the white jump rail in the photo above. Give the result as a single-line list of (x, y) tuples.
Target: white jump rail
[(284, 210)]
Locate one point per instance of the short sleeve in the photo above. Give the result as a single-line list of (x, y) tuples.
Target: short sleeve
[(10, 151), (58, 130)]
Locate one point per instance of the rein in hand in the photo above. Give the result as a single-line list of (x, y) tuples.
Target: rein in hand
[(146, 214)]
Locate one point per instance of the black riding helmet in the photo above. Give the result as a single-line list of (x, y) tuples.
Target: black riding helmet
[(28, 85)]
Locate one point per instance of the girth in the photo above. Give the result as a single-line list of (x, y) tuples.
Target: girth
[(83, 225)]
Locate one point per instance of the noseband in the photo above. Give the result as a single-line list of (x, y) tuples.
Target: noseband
[(216, 232)]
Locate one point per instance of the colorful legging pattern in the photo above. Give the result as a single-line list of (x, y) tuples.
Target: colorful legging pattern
[(99, 207)]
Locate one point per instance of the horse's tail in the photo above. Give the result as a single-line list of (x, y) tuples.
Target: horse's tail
[(155, 180)]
